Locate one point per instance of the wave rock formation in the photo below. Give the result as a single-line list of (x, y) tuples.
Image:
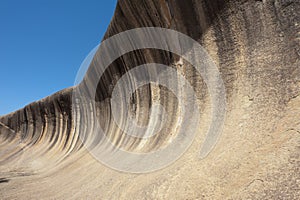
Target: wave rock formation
[(256, 46)]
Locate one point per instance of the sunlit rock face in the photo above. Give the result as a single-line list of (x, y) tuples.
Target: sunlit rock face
[(255, 45)]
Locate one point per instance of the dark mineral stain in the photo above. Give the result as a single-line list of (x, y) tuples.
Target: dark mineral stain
[(4, 180)]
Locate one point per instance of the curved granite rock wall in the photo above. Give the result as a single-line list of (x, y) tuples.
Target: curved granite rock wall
[(255, 45)]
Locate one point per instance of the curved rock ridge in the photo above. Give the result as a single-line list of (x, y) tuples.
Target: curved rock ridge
[(256, 46)]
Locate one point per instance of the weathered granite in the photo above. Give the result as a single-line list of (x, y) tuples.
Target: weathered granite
[(256, 45)]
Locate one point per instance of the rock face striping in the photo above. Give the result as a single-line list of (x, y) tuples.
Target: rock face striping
[(256, 46)]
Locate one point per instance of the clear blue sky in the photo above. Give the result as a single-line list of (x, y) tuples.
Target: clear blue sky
[(43, 43)]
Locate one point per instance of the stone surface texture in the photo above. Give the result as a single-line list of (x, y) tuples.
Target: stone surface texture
[(256, 46)]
